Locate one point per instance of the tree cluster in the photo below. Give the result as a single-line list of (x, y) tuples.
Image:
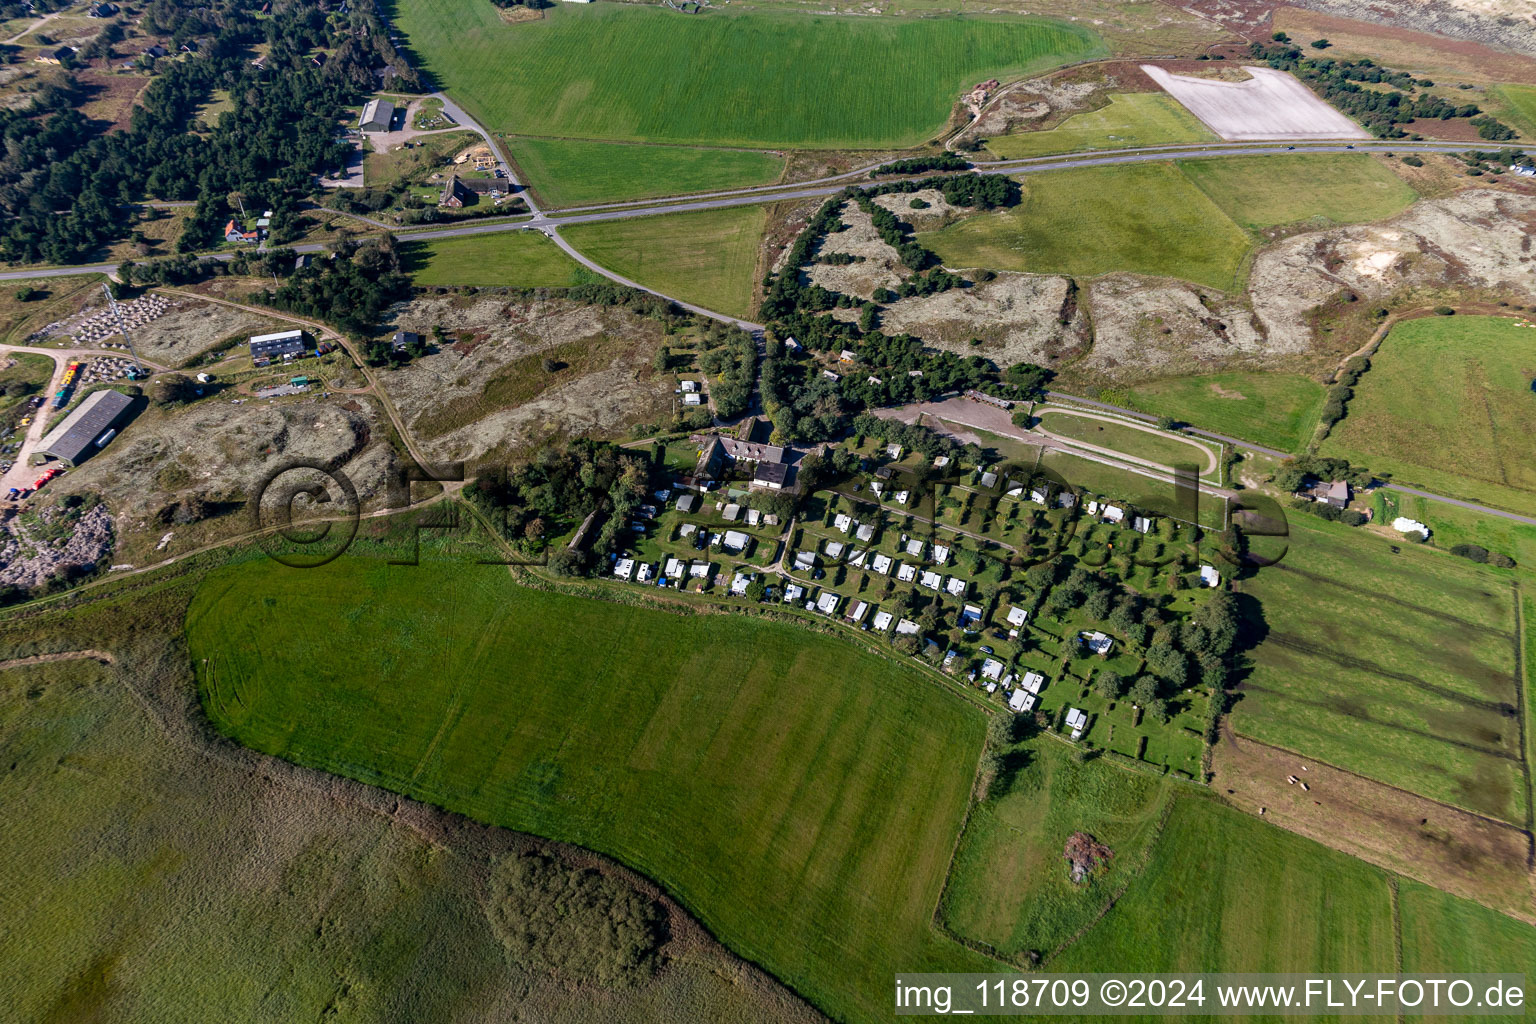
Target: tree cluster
[(1342, 83), (65, 182), (350, 289), (918, 164), (731, 363)]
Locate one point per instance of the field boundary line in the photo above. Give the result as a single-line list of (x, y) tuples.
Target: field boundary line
[(1375, 782), (1522, 706)]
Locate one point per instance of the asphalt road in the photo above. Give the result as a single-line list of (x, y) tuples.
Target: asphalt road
[(1250, 446)]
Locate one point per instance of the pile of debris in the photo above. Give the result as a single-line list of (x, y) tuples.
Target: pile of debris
[(90, 328), (1084, 855), (55, 541)]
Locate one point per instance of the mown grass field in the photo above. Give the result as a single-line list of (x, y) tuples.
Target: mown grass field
[(1010, 887), (798, 794), (1441, 933), (754, 78), (57, 298), (568, 172), (1163, 449), (1142, 218), (1260, 192), (1521, 100), (1278, 410), (1448, 404), (514, 259), (1129, 120), (1228, 892), (1398, 666), (127, 899), (708, 257)]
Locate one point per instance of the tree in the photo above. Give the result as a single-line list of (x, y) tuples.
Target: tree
[(1218, 621), (909, 644), (1158, 709), (1110, 685), (1144, 690), (172, 389), (1320, 44), (1167, 423), (1280, 37)]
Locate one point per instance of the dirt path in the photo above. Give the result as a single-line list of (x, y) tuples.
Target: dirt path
[(105, 657)]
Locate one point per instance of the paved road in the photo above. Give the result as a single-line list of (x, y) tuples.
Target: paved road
[(456, 112), (1276, 453)]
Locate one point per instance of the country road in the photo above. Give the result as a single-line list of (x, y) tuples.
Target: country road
[(550, 222)]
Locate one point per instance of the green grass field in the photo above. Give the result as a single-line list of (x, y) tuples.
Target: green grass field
[(568, 172), (1009, 886), (1522, 106), (1396, 666), (707, 257), (1227, 892), (1278, 410), (1142, 218), (798, 794), (126, 898), (1448, 405), (1129, 120), (1154, 494), (514, 259), (1259, 192), (1163, 449), (754, 78)]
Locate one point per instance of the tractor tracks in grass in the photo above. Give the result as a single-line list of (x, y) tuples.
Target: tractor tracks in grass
[(1377, 595), (1296, 643)]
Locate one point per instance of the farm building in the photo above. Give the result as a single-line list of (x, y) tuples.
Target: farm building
[(459, 192), (282, 345), (86, 430), (378, 115), (771, 475)]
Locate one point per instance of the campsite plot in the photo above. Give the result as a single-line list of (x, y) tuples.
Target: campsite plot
[(1271, 105)]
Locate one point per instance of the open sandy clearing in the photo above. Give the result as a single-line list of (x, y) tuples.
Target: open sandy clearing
[(1270, 105)]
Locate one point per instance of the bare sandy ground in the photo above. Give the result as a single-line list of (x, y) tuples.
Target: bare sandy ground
[(1270, 106)]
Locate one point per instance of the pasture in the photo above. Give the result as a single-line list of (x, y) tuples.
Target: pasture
[(568, 172), (1142, 218), (757, 78), (1278, 410), (1399, 667), (1129, 120), (1449, 405), (1009, 886), (126, 898), (1261, 192), (1226, 892), (510, 259), (797, 792), (1443, 933), (708, 257)]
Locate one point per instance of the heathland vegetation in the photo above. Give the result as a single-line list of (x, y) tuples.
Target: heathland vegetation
[(753, 78)]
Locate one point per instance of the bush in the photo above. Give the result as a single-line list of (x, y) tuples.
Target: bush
[(576, 923), (1444, 311), (1413, 161), (1502, 561), (1471, 552)]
